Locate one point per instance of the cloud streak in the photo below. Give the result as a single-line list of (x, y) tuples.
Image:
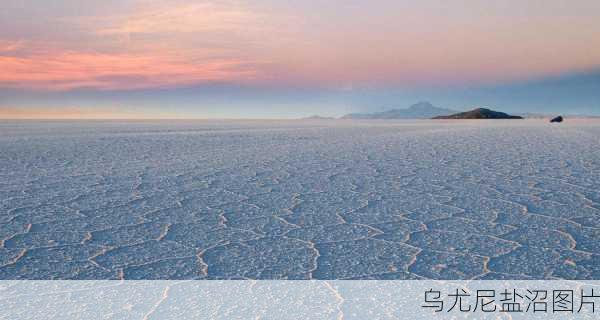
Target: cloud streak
[(76, 70), (184, 18)]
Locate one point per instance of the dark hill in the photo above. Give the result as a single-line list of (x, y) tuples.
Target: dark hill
[(479, 113)]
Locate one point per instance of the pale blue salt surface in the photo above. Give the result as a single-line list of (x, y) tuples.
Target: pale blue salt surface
[(300, 200)]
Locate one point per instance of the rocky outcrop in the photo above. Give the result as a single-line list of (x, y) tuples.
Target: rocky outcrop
[(479, 113)]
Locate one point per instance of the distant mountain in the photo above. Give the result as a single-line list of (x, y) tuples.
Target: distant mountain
[(479, 113), (421, 110), (317, 117)]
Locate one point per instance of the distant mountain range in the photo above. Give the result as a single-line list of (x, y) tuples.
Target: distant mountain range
[(421, 110), (425, 110), (479, 113)]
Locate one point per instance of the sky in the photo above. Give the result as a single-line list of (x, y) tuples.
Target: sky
[(286, 59)]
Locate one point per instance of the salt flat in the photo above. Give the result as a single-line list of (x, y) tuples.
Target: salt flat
[(337, 199)]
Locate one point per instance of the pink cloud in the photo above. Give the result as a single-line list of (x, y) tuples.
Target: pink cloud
[(72, 70), (153, 46)]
